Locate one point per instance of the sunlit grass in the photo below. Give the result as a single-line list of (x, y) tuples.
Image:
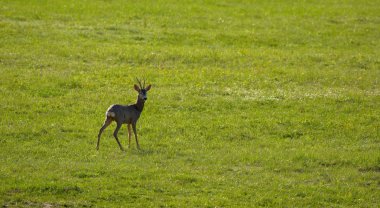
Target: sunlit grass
[(254, 103)]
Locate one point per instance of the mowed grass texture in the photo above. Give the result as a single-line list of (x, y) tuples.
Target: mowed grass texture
[(253, 103)]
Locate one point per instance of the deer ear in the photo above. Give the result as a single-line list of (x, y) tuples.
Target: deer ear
[(136, 88), (148, 88)]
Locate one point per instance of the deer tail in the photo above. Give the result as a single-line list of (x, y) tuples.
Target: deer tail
[(110, 114)]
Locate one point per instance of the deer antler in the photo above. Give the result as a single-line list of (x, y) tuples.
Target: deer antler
[(144, 84), (139, 83)]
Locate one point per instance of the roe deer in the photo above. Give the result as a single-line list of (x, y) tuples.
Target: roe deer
[(126, 114)]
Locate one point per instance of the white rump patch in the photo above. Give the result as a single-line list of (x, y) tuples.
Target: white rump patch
[(110, 114)]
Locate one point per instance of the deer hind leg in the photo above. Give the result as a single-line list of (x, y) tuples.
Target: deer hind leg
[(129, 135), (106, 123), (115, 135), (134, 131)]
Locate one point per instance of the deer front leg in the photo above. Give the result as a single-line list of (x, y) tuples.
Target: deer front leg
[(129, 135), (134, 131), (115, 135)]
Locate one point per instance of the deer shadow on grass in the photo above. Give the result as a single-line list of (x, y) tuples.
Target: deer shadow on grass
[(143, 152)]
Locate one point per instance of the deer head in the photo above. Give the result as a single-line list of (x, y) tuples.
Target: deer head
[(142, 90)]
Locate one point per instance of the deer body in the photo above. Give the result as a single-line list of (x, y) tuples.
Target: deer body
[(126, 114)]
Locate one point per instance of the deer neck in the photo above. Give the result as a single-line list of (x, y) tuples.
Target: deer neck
[(140, 104)]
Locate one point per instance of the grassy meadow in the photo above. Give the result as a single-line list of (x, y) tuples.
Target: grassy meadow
[(253, 103)]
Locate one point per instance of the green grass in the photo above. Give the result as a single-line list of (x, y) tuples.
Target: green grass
[(254, 103)]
